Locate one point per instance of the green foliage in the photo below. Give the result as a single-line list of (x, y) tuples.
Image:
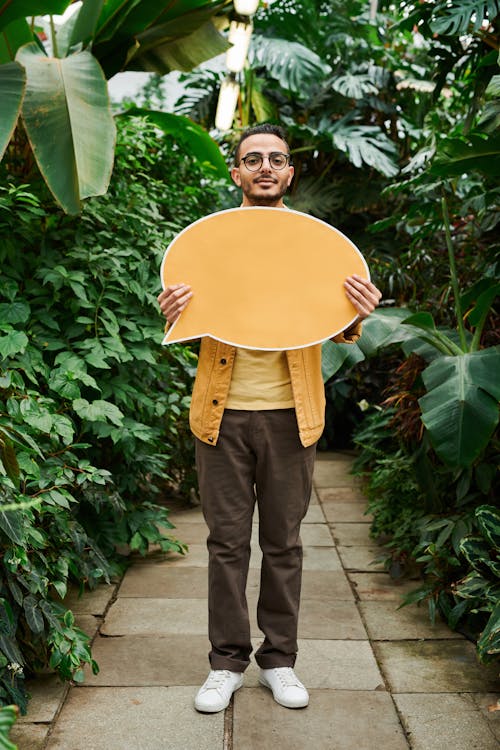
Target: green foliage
[(61, 101), (8, 716), (80, 116), (481, 586), (394, 496), (93, 412)]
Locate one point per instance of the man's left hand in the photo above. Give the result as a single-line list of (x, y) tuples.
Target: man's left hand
[(363, 294)]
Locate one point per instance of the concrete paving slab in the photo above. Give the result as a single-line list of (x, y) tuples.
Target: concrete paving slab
[(334, 474), (46, 693), (161, 581), (321, 558), (338, 620), (93, 602), (187, 515), (336, 665), (352, 534), (341, 495), (333, 720), (340, 455), (380, 586), (316, 535), (330, 620), (29, 736), (130, 616), (192, 532), (361, 559), (142, 718), (197, 556), (339, 512), (384, 622), (447, 722), (489, 705), (440, 666), (313, 500), (89, 623), (137, 660), (314, 515), (325, 585)]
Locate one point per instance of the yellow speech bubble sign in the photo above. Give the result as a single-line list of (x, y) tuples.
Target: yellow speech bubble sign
[(262, 278)]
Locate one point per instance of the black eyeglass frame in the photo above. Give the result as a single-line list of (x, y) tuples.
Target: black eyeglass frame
[(269, 157)]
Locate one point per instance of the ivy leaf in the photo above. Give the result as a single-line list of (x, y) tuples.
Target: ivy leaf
[(63, 427), (14, 342), (98, 411), (42, 421), (14, 312)]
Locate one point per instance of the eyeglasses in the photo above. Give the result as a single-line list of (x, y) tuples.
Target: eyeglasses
[(254, 161)]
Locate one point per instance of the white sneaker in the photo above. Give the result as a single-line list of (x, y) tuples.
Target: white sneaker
[(287, 689), (215, 693)]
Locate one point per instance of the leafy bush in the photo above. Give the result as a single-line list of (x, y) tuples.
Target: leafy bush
[(481, 586), (8, 716), (93, 412)]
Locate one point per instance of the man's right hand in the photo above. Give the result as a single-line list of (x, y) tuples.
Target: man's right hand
[(173, 300)]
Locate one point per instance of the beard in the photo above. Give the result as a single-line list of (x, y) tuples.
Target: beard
[(266, 198)]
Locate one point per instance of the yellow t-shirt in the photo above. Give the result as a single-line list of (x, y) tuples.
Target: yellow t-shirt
[(260, 380)]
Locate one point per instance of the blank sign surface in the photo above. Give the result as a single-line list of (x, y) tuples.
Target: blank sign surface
[(262, 278)]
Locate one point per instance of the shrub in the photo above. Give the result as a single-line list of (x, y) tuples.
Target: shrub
[(93, 412)]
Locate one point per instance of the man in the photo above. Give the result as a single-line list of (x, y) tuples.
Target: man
[(257, 416)]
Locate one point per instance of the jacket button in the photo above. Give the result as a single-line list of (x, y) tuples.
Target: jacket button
[(223, 361), (215, 402), (210, 440)]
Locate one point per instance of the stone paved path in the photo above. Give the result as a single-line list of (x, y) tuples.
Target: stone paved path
[(379, 679)]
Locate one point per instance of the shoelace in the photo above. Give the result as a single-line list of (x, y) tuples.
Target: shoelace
[(216, 679), (288, 678)]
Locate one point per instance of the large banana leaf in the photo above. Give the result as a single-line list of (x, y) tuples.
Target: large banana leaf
[(12, 85), (381, 328), (192, 136), (80, 28), (460, 409), (149, 14), (69, 124), (157, 36), (14, 36), (185, 53), (11, 11)]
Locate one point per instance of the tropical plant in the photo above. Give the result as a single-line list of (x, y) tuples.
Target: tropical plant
[(94, 432), (60, 102), (8, 716), (481, 586)]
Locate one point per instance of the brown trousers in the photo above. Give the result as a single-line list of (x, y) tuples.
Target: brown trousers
[(258, 457)]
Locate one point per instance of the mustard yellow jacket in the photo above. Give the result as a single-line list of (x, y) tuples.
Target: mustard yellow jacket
[(213, 378)]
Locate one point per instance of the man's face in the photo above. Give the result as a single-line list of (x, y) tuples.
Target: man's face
[(266, 186)]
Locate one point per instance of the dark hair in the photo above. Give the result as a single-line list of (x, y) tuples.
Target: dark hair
[(266, 128)]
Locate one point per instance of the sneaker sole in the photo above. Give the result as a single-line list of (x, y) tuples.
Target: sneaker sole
[(280, 702)]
